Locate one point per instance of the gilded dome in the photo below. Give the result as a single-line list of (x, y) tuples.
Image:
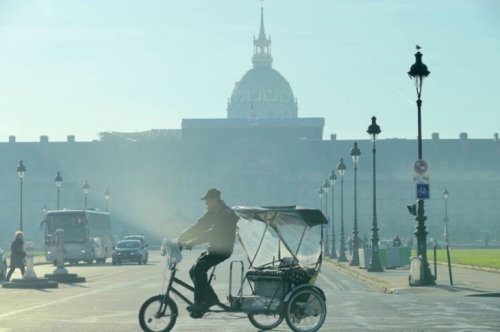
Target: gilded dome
[(262, 92)]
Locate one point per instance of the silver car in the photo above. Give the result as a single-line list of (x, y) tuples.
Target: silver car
[(3, 265)]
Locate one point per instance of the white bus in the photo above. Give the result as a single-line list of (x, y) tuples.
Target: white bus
[(87, 235)]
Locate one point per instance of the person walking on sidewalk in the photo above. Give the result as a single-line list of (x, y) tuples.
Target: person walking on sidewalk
[(17, 255)]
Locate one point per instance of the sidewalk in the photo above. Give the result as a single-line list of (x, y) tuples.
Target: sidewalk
[(466, 281)]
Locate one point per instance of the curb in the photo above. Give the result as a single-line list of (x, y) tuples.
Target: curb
[(374, 283)]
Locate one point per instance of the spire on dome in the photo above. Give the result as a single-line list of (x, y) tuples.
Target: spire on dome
[(262, 46)]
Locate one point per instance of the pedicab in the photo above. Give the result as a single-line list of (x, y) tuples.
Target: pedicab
[(282, 246)]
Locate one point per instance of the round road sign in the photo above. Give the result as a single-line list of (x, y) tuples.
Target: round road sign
[(420, 167)]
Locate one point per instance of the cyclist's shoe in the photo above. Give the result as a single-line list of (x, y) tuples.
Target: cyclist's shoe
[(212, 302), (197, 307)]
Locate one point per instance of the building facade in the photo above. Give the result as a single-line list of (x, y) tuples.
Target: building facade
[(263, 153)]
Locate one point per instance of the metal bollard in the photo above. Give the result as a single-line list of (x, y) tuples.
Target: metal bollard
[(435, 264), (60, 252), (449, 263), (30, 272)]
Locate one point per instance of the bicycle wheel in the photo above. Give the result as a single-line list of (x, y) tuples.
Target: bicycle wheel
[(306, 311), (156, 316), (265, 322)]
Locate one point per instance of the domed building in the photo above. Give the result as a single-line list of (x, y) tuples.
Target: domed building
[(262, 92)]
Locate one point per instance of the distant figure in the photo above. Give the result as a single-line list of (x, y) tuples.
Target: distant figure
[(17, 254), (486, 239), (365, 242), (397, 241), (349, 244), (409, 242)]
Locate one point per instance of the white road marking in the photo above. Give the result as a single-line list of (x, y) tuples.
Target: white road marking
[(115, 286)]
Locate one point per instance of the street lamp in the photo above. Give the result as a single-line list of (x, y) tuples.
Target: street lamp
[(341, 169), (58, 179), (86, 188), (418, 72), (375, 266), (321, 193), (106, 197), (355, 153), (446, 234), (326, 187), (333, 180), (20, 171)]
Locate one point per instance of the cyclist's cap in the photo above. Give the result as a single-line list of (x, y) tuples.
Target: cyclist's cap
[(212, 193)]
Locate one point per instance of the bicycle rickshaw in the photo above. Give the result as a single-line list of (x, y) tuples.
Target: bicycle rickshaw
[(283, 247)]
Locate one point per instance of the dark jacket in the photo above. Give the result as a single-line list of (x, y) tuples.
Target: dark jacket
[(17, 253), (216, 228)]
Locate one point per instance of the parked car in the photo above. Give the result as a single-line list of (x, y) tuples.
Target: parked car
[(129, 251), (3, 265), (144, 244)]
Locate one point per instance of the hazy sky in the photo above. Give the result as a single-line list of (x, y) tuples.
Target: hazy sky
[(82, 67)]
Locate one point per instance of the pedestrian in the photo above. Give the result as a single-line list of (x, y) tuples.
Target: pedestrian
[(397, 241), (365, 241), (409, 242), (349, 244), (217, 229), (17, 254)]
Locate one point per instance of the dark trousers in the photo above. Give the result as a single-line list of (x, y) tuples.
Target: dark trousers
[(12, 269), (198, 273)]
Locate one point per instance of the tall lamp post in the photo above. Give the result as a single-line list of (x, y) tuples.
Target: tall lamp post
[(106, 197), (326, 188), (375, 266), (321, 193), (355, 153), (86, 188), (418, 72), (333, 180), (341, 169), (58, 179), (21, 169), (446, 234)]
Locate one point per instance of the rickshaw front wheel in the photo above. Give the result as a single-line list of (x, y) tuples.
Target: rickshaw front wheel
[(266, 322), (305, 311), (156, 316)]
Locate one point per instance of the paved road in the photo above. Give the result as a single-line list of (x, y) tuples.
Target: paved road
[(111, 298)]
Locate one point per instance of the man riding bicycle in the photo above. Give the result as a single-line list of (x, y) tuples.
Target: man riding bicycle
[(217, 228)]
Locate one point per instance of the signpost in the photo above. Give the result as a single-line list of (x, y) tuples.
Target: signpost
[(420, 167)]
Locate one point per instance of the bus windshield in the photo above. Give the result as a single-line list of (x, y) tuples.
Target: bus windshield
[(72, 224)]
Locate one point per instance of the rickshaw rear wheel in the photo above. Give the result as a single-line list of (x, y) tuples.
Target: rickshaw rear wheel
[(305, 311), (266, 322), (152, 320)]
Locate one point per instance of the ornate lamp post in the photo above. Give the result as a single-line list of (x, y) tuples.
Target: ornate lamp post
[(418, 72), (326, 188), (106, 197), (341, 169), (21, 169), (321, 193), (333, 180), (446, 234), (355, 153), (375, 266), (58, 179), (86, 188)]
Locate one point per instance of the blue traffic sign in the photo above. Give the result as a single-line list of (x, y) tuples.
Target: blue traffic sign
[(423, 191)]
